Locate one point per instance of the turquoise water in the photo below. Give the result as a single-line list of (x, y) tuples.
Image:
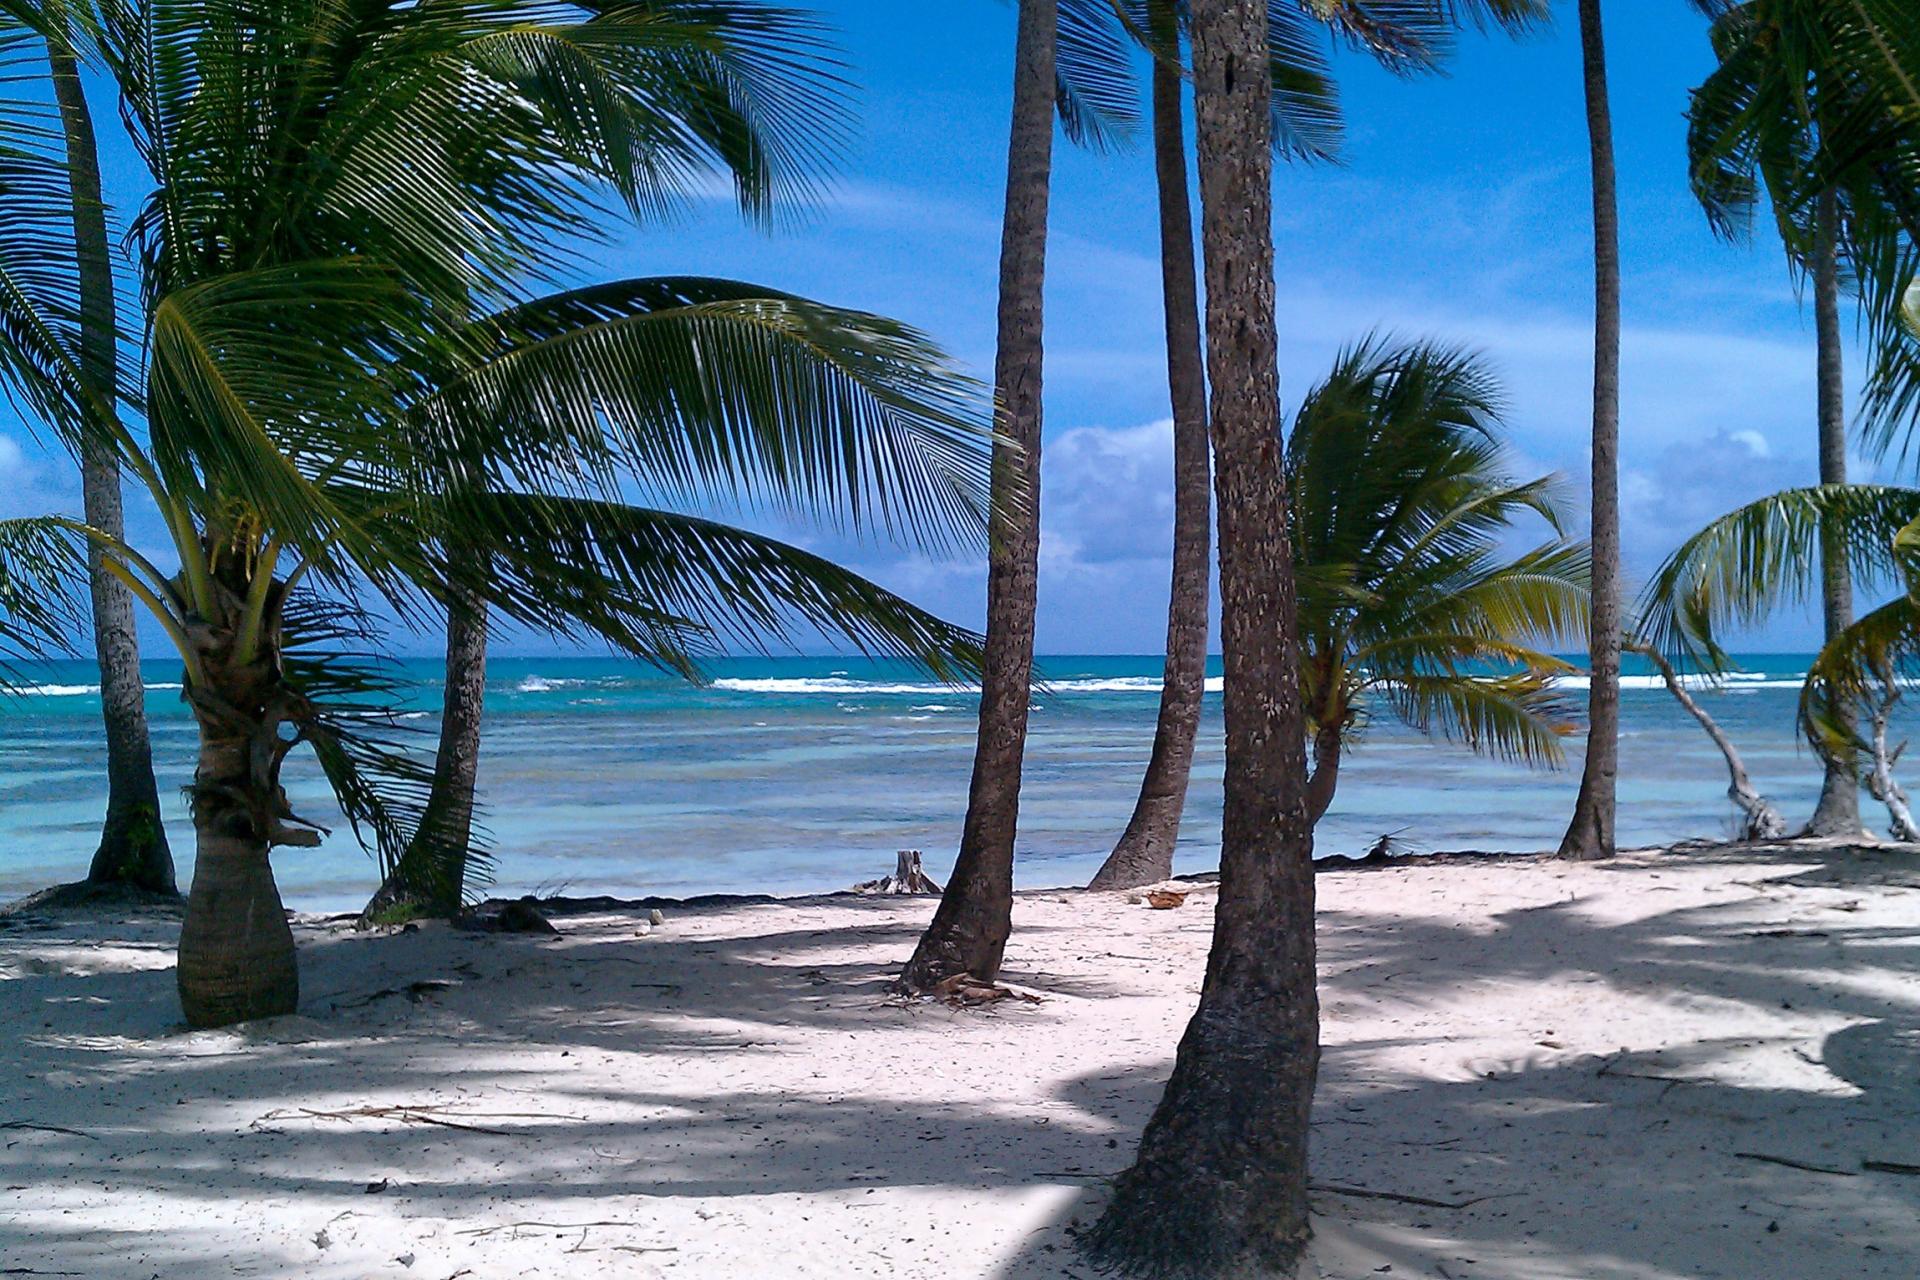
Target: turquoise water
[(799, 774)]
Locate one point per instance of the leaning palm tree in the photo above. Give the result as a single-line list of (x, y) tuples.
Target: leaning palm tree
[(1770, 554), (1399, 506), (1069, 60), (347, 404), (1306, 126), (1757, 122), (133, 842), (767, 124)]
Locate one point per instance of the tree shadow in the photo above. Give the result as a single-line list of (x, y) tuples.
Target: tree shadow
[(719, 1077)]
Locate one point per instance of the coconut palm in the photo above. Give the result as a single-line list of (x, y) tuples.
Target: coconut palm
[(1770, 554), (1070, 59), (1589, 832), (768, 134), (1399, 506), (1757, 122), (1219, 1186), (133, 842), (348, 405), (1306, 126)]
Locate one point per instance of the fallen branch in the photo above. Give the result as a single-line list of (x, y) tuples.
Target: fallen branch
[(415, 1115), (548, 1226), (1790, 1163), (1335, 1189), (48, 1128)]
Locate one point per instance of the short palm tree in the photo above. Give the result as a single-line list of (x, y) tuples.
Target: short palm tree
[(1399, 509), (1767, 555), (347, 404)]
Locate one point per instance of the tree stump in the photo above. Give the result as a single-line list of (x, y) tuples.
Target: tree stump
[(908, 878)]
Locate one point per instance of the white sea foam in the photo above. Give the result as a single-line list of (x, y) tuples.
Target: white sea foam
[(800, 686)]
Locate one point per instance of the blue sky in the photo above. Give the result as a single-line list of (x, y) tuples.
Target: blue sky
[(1460, 213)]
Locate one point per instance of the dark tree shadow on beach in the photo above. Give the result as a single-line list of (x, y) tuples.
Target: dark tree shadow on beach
[(1637, 1164)]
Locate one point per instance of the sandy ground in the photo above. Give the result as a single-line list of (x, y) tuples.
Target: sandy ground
[(1668, 1066)]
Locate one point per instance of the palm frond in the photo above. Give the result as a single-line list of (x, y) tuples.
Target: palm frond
[(43, 601), (659, 585), (717, 391), (1749, 562)]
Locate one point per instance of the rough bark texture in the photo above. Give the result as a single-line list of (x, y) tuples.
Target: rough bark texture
[(1590, 833), (969, 931), (236, 958), (1144, 854), (1219, 1186), (430, 879), (1838, 813), (133, 843), (1759, 819)]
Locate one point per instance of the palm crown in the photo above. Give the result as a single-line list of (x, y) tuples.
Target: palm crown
[(1398, 503), (345, 386)]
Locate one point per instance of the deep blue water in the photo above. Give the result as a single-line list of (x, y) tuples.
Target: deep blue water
[(797, 774)]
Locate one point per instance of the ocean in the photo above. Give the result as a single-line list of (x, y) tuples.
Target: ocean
[(788, 775)]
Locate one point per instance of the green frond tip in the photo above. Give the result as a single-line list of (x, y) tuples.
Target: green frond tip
[(43, 603)]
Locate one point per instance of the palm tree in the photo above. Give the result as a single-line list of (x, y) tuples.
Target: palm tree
[(1773, 552), (133, 841), (1590, 832), (347, 402), (1399, 505), (1306, 126), (1068, 57), (766, 131), (1219, 1186), (1756, 121)]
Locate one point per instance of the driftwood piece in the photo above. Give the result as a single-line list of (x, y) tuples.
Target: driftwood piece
[(908, 877), (1760, 820), (1880, 780)]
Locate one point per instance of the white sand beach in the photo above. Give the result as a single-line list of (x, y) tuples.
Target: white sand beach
[(1664, 1066)]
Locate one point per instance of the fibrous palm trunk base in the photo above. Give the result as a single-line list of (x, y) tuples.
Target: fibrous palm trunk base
[(236, 948)]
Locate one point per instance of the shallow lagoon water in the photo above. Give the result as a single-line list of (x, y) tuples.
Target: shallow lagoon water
[(804, 774)]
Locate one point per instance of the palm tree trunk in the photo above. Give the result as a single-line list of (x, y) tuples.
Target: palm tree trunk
[(1759, 820), (133, 843), (1590, 834), (430, 878), (1838, 813), (1145, 851), (1219, 1187), (969, 931), (236, 958), (1327, 746)]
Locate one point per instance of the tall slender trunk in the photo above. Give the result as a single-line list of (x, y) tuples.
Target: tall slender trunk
[(1145, 851), (969, 931), (1590, 833), (1838, 813), (430, 878), (133, 843), (1219, 1187)]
